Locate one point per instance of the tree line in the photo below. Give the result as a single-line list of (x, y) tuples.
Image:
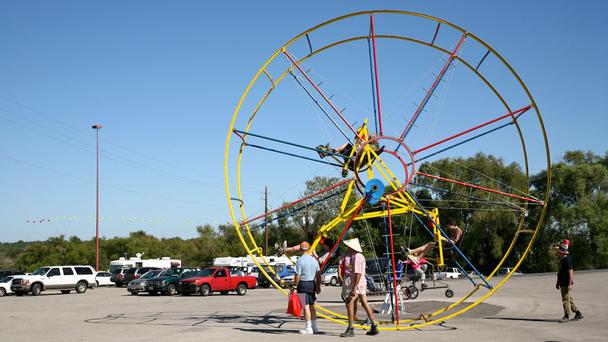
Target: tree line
[(577, 210)]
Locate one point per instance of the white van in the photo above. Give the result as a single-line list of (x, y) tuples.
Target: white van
[(63, 278)]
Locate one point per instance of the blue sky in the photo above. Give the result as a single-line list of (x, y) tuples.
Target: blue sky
[(164, 78)]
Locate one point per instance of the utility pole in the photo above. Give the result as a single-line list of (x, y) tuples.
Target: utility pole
[(97, 127), (266, 220)]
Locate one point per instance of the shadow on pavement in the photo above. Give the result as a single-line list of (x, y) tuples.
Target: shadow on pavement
[(525, 319), (237, 320)]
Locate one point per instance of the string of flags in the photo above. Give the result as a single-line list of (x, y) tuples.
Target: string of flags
[(122, 219)]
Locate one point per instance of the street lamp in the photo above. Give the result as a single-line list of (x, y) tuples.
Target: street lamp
[(97, 127)]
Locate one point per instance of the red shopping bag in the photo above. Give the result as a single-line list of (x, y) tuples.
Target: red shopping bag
[(294, 307)]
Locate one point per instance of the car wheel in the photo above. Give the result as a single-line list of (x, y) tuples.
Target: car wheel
[(449, 293), (224, 292), (36, 289), (333, 281), (66, 291), (2, 292), (171, 290), (205, 290), (241, 290), (81, 287)]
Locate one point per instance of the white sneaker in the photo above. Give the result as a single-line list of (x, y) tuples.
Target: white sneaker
[(307, 331)]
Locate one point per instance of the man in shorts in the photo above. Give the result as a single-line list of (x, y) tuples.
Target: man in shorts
[(308, 284), (358, 288)]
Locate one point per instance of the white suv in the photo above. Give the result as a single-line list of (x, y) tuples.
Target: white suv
[(64, 278)]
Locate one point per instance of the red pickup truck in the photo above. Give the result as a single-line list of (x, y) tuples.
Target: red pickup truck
[(216, 279)]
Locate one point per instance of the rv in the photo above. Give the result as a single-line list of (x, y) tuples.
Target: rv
[(137, 261)]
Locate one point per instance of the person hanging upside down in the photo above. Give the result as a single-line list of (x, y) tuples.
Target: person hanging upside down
[(346, 150), (421, 251), (419, 265), (327, 243)]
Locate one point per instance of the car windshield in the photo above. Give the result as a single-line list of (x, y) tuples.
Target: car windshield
[(41, 271), (171, 272), (332, 269), (150, 274), (188, 274)]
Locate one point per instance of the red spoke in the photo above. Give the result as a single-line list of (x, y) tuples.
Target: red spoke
[(498, 192), (429, 93), (371, 21), (350, 221), (511, 114), (298, 201), (297, 65), (394, 266)]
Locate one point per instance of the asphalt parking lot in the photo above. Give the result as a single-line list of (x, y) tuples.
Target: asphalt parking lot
[(527, 308)]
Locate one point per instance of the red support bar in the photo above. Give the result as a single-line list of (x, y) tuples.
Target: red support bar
[(394, 266), (371, 21), (293, 61), (432, 88), (298, 201), (512, 114), (348, 224), (480, 187)]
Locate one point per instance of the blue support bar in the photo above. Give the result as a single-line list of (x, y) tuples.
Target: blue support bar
[(464, 272), (292, 155), (470, 139), (290, 143)]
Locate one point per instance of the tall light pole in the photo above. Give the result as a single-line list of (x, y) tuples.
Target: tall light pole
[(97, 127)]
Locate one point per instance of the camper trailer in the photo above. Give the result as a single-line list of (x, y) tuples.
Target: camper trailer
[(137, 261)]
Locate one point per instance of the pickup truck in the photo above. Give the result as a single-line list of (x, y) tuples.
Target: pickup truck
[(216, 279), (453, 272)]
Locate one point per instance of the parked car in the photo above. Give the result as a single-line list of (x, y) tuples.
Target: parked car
[(6, 273), (104, 279), (216, 279), (5, 285), (281, 271), (136, 272), (166, 282), (138, 285), (63, 278), (503, 271), (330, 276), (118, 276)]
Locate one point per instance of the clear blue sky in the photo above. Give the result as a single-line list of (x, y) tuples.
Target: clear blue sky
[(164, 78)]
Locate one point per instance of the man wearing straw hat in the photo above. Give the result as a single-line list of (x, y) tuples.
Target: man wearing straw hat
[(308, 284), (358, 287), (565, 279)]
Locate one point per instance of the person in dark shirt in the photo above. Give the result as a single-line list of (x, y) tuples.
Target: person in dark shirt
[(565, 279)]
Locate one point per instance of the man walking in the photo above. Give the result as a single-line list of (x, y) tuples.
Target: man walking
[(358, 287), (565, 279), (308, 284)]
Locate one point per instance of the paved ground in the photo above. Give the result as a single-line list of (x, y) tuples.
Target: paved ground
[(526, 308)]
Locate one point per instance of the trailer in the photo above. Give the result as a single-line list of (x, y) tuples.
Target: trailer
[(137, 261)]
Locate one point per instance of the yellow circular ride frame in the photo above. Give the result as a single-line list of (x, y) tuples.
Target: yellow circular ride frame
[(242, 226)]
